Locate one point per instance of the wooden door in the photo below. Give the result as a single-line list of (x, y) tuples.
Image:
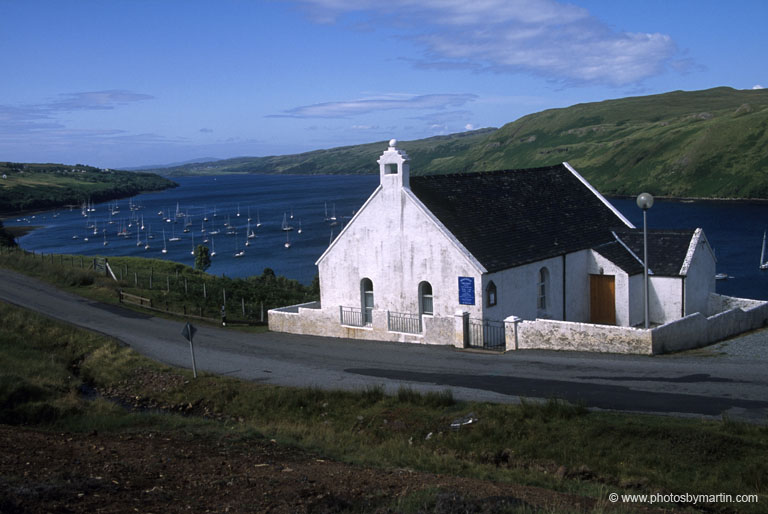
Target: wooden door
[(602, 299)]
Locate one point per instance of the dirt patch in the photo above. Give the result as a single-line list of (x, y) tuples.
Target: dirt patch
[(159, 472)]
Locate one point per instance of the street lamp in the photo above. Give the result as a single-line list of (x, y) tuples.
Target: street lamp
[(645, 202)]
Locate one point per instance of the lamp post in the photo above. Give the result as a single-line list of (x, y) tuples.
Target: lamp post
[(645, 202)]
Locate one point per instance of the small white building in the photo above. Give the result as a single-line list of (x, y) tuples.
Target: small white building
[(473, 259)]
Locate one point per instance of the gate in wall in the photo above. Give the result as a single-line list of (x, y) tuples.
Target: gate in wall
[(486, 334)]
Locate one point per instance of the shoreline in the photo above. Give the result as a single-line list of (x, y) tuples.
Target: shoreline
[(18, 231)]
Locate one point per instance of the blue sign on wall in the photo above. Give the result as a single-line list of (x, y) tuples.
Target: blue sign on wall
[(466, 290)]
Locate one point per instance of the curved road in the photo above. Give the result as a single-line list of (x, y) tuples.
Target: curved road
[(730, 378)]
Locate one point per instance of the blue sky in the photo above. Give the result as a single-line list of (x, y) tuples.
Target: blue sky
[(117, 83)]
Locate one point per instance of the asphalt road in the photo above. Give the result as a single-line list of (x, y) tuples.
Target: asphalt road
[(728, 378)]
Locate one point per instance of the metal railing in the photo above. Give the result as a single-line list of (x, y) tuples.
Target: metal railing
[(403, 322), (487, 334), (351, 316)]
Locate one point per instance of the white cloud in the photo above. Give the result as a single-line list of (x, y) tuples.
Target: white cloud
[(757, 86), (543, 37), (44, 116), (344, 109), (469, 126)]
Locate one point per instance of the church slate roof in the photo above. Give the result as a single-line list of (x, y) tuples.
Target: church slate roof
[(667, 249), (514, 217), (621, 256)]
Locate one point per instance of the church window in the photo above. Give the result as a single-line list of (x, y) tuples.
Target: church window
[(425, 298), (543, 285), (490, 294), (366, 300)]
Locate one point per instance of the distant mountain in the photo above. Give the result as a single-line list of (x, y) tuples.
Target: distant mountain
[(170, 165), (342, 160), (711, 143)]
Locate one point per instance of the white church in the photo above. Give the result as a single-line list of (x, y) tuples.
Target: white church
[(506, 260)]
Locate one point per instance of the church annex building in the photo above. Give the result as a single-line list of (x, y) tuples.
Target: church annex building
[(505, 260)]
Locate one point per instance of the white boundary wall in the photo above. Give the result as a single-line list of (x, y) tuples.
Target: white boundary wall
[(731, 316)]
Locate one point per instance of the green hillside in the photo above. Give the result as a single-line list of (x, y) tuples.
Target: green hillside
[(26, 186), (711, 143)]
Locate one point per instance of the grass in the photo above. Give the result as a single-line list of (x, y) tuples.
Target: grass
[(549, 444)]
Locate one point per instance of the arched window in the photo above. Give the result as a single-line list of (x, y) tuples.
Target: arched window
[(366, 300), (490, 294), (425, 298), (542, 288)]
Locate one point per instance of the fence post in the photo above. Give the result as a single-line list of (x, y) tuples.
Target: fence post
[(461, 325), (262, 311), (514, 321), (185, 286), (205, 294), (167, 284), (135, 279), (242, 304)]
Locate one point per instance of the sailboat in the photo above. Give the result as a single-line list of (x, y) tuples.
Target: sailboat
[(258, 222), (174, 237), (287, 240), (193, 244), (299, 231), (213, 248), (286, 226), (248, 234), (104, 231), (165, 247), (763, 263), (239, 253), (138, 238)]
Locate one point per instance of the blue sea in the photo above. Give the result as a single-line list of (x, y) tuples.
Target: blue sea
[(734, 229)]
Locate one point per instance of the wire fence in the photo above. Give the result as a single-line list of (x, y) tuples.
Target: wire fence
[(175, 288)]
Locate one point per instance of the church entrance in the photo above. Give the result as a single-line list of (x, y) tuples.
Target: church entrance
[(602, 299)]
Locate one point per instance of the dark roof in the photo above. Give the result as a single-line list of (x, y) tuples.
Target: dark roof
[(621, 256), (667, 249), (514, 217)]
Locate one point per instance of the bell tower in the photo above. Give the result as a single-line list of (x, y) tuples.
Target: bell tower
[(394, 170)]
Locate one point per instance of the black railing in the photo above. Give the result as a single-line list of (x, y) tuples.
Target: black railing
[(487, 334), (403, 322), (352, 316)]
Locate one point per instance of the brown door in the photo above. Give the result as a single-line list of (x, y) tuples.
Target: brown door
[(602, 299)]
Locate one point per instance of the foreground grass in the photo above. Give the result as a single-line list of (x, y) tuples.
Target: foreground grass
[(554, 445)]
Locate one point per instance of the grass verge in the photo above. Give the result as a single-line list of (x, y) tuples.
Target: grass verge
[(47, 366)]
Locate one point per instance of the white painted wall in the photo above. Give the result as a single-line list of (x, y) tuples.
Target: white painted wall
[(666, 299), (700, 280), (577, 286), (395, 242), (599, 265), (517, 290)]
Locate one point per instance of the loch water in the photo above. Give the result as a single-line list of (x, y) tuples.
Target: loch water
[(733, 228)]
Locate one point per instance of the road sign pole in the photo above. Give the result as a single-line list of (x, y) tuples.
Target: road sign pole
[(192, 350), (189, 332)]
